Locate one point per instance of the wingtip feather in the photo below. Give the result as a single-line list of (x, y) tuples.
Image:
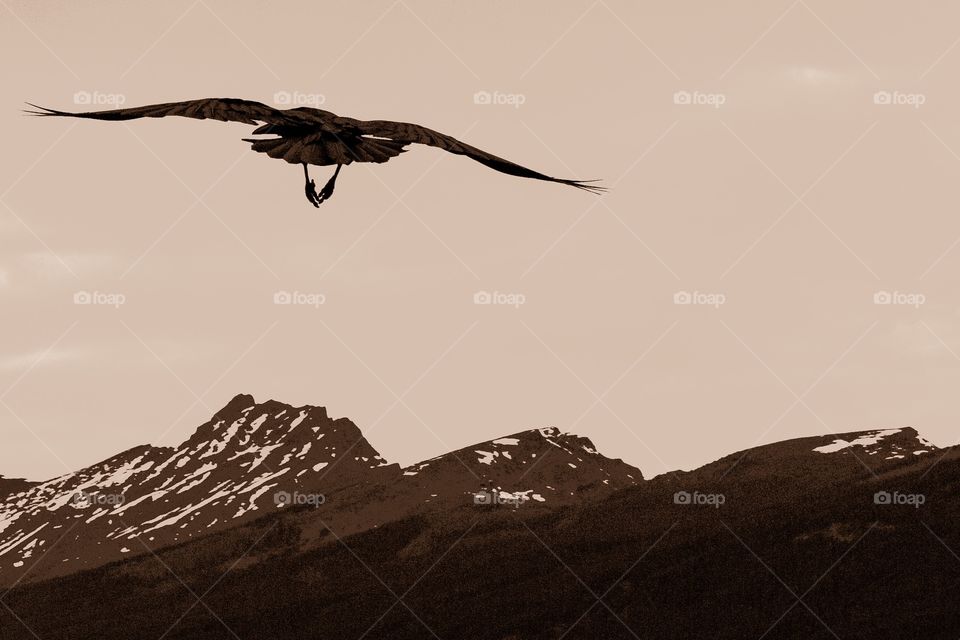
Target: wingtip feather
[(42, 111), (595, 189)]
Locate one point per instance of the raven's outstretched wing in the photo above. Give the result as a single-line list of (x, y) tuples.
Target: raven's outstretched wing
[(224, 109), (317, 136), (413, 133)]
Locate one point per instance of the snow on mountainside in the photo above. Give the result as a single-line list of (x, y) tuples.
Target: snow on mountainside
[(474, 570), (889, 444), (540, 465), (230, 469), (826, 459), (242, 462)]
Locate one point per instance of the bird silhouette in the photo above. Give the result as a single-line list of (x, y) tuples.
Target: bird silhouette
[(309, 136)]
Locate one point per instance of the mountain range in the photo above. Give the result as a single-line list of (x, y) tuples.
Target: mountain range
[(278, 522), (250, 459)]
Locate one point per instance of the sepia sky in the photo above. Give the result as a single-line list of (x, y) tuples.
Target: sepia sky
[(788, 169)]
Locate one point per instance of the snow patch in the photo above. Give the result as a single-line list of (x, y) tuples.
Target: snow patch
[(862, 441), (296, 421)]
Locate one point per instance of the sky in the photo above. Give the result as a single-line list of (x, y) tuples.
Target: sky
[(776, 257)]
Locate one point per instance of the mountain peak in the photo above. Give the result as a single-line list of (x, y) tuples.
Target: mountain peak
[(888, 444), (875, 449), (545, 465), (232, 468), (238, 403)]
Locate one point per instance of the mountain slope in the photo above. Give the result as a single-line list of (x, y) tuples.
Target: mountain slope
[(797, 521), (539, 465), (231, 469), (254, 459)]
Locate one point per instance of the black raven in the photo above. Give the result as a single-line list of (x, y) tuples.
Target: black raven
[(308, 136)]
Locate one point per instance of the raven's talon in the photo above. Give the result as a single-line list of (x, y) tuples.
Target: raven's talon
[(310, 190), (327, 192), (310, 187)]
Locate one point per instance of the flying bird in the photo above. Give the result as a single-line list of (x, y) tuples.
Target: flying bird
[(309, 136)]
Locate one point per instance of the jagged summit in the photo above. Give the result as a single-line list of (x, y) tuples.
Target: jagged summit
[(229, 470)]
